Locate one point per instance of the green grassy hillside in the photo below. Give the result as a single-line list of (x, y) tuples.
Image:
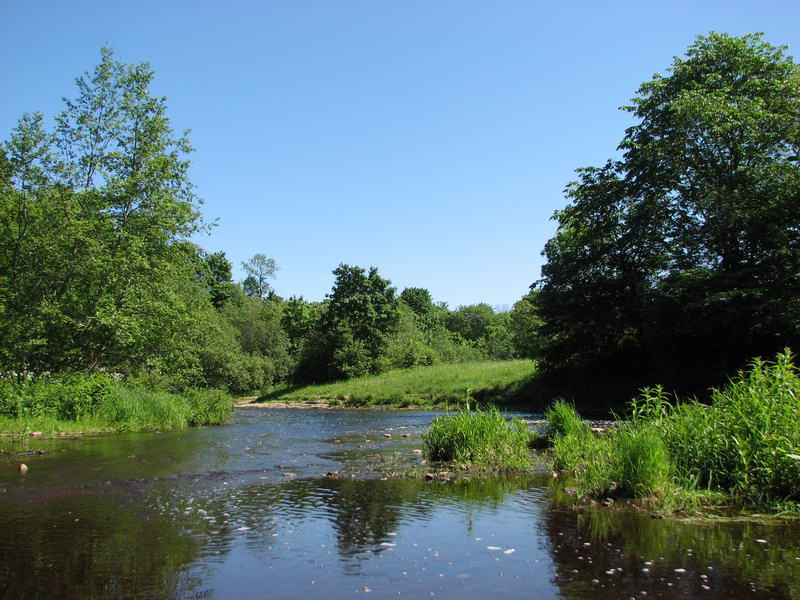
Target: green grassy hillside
[(440, 385)]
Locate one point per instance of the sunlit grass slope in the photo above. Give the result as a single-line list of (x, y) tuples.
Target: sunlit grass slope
[(439, 385)]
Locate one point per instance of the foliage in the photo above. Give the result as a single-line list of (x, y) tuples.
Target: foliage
[(484, 437), (564, 420), (93, 272), (747, 442), (643, 465), (419, 300), (361, 313), (471, 322), (679, 261), (298, 321), (524, 327), (214, 274)]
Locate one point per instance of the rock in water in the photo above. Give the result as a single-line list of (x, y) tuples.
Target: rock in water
[(23, 468)]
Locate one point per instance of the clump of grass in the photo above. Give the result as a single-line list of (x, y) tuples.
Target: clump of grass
[(483, 438), (563, 420), (641, 462), (577, 450), (747, 442), (139, 409)]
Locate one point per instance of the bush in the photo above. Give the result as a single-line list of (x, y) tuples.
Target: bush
[(208, 407), (482, 437), (564, 420), (66, 397)]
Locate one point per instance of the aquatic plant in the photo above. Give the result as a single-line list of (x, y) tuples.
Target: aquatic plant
[(483, 438), (641, 461), (747, 441)]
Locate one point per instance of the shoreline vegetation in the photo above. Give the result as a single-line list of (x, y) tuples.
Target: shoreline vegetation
[(740, 451), (97, 403)]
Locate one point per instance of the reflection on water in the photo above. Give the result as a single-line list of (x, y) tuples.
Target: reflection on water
[(248, 511)]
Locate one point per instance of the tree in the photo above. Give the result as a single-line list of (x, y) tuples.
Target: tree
[(92, 220), (684, 255), (260, 270), (471, 322), (525, 325), (360, 315), (418, 299)]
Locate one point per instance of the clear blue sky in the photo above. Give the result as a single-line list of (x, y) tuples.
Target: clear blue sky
[(431, 139)]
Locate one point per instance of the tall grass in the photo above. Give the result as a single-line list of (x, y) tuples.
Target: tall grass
[(748, 441), (577, 450), (483, 438), (745, 444), (82, 402)]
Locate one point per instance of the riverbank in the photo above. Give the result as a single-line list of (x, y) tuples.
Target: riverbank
[(440, 386)]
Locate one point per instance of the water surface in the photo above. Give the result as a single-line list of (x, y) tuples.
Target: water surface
[(248, 510)]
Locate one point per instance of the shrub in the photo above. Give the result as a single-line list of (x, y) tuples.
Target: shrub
[(746, 443), (208, 407)]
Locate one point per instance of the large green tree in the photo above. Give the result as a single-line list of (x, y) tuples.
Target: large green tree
[(360, 315), (682, 258), (93, 214)]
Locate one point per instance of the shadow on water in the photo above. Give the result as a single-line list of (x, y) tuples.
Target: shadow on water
[(247, 511)]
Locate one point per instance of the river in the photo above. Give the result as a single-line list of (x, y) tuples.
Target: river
[(248, 510)]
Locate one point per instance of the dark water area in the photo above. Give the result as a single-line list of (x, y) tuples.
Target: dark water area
[(247, 511)]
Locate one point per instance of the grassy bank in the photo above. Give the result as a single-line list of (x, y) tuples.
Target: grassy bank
[(99, 403), (741, 449), (436, 386)]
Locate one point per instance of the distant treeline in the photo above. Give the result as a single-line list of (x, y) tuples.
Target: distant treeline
[(679, 262)]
